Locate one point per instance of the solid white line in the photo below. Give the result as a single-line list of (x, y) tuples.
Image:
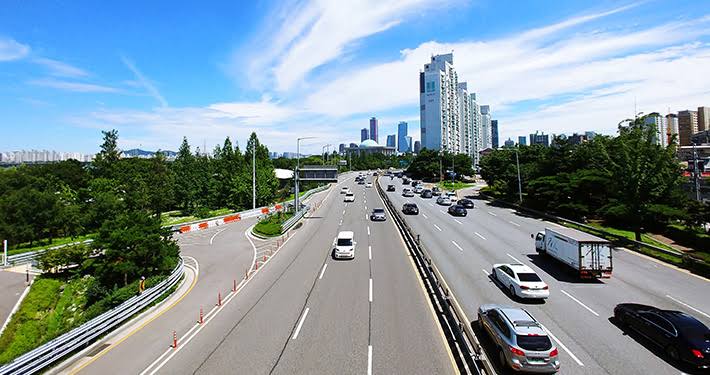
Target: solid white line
[(579, 302), (370, 290), (215, 235), (431, 204), (323, 271), (457, 245), (425, 216), (688, 306), (486, 272), (514, 223), (437, 227), (491, 213), (456, 220), (369, 360), (369, 252), (563, 346), (300, 324), (479, 235), (515, 259), (368, 230)]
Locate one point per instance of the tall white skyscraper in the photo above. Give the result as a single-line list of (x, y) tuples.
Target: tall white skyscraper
[(486, 138), (477, 141), (439, 110), (465, 121), (660, 125)]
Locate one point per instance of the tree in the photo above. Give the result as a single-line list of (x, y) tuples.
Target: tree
[(109, 154), (56, 260), (184, 172)]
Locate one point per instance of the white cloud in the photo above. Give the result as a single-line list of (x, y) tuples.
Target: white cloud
[(73, 86), (145, 82), (58, 68), (12, 50)]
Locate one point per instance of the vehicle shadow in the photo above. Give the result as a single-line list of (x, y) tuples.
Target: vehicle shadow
[(504, 290), (490, 349), (655, 349), (559, 271)]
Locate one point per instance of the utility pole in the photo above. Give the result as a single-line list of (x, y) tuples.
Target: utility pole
[(520, 185), (253, 175)]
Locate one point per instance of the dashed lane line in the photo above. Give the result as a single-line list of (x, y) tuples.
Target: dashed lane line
[(579, 302), (300, 324)]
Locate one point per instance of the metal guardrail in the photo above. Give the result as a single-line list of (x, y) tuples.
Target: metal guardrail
[(294, 219), (47, 354), (30, 256), (465, 341)]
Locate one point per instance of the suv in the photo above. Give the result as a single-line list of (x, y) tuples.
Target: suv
[(410, 209), (426, 193), (344, 246), (378, 214), (522, 342), (418, 189), (405, 181), (407, 193), (435, 191)]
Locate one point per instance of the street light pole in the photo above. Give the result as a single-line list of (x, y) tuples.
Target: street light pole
[(253, 175), (520, 185), (298, 166)]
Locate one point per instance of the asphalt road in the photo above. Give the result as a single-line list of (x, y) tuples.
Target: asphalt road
[(577, 312), (13, 284)]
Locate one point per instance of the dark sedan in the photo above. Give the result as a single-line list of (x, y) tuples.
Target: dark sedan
[(410, 209), (426, 193), (467, 203), (457, 210), (390, 188), (681, 336)]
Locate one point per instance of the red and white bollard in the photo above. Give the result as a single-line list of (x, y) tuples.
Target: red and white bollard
[(219, 299), (174, 340), (264, 258), (201, 316), (234, 285)]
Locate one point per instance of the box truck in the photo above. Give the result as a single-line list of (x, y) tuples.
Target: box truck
[(590, 256)]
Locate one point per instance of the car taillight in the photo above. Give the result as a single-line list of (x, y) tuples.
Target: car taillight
[(697, 353), (523, 287), (554, 353), (545, 287), (517, 351)]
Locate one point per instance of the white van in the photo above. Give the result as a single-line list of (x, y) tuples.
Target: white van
[(344, 246)]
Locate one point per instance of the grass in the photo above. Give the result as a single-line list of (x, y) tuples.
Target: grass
[(458, 185), (271, 225), (23, 248), (176, 217)]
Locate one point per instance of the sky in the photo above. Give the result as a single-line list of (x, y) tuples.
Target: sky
[(158, 71)]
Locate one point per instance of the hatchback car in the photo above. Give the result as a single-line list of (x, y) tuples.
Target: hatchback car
[(681, 336), (520, 280), (349, 197), (344, 190), (522, 343), (368, 185), (426, 193), (378, 214), (457, 210), (407, 193), (344, 246), (467, 203), (443, 200), (390, 188), (418, 189), (410, 209)]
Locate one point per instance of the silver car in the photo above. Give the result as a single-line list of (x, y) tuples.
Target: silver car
[(378, 214), (522, 343)]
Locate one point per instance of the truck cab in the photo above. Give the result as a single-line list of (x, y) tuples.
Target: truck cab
[(540, 242)]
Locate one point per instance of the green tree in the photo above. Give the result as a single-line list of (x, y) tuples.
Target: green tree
[(109, 154), (184, 172)]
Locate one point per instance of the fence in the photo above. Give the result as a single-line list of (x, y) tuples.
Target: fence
[(47, 354), (30, 256)]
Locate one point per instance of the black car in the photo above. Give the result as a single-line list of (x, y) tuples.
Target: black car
[(405, 181), (415, 183), (390, 188), (467, 203), (457, 210), (681, 336), (426, 193), (410, 209), (435, 191)]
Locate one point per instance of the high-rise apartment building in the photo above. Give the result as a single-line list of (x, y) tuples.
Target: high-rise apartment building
[(522, 141), (540, 139), (494, 133), (659, 124), (364, 134), (402, 137), (476, 128), (590, 135), (486, 135), (341, 148), (672, 127), (687, 126), (391, 141), (417, 147), (703, 118), (465, 132), (439, 108), (374, 131)]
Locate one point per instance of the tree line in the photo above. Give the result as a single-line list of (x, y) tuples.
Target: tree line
[(627, 180)]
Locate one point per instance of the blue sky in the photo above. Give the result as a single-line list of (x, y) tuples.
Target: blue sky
[(161, 70)]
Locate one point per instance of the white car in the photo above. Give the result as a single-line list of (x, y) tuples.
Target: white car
[(418, 189), (520, 280), (443, 200), (344, 246), (344, 190), (368, 185), (407, 193), (349, 197), (452, 196)]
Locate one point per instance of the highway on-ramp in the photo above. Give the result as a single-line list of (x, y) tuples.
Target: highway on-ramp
[(577, 313)]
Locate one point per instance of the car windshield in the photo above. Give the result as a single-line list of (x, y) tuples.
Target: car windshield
[(379, 210), (536, 343), (530, 277), (349, 195), (345, 242)]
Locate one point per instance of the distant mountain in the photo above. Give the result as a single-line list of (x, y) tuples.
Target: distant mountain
[(138, 153)]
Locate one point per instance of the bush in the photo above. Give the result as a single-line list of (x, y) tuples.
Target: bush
[(689, 238), (271, 225)]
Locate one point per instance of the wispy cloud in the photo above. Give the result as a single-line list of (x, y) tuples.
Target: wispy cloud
[(73, 86), (12, 50), (145, 82), (61, 69)]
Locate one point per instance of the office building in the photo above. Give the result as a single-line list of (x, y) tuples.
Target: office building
[(687, 126), (658, 123), (364, 134), (402, 137), (374, 131), (341, 148), (539, 139), (353, 145), (672, 127), (703, 118), (368, 147), (417, 147), (576, 139), (509, 143), (391, 140), (439, 105), (409, 144), (486, 135), (494, 133), (522, 141)]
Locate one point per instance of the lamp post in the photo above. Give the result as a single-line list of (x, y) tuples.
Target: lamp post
[(520, 185), (253, 175), (298, 165)]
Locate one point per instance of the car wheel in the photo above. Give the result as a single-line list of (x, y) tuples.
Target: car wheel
[(493, 274), (501, 358), (673, 353), (512, 291), (621, 320)]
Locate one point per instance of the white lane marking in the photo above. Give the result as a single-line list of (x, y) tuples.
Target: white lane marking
[(370, 290), (456, 220), (442, 211), (486, 272), (688, 306), (341, 221), (514, 223), (369, 360), (579, 302), (369, 252), (334, 239), (479, 235), (491, 213), (437, 227), (344, 211), (300, 324), (514, 258), (431, 204), (323, 271), (215, 235), (368, 230), (365, 207), (563, 346), (457, 245), (425, 216)]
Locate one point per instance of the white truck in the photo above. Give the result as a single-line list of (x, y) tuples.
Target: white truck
[(590, 256)]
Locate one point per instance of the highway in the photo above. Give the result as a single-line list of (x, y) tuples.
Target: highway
[(577, 313), (302, 312)]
